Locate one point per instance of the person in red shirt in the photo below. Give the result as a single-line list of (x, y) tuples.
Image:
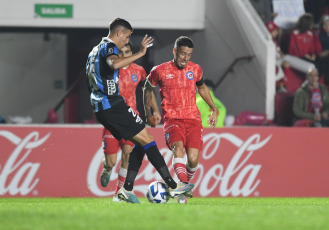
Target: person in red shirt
[(303, 42), (130, 77), (178, 80)]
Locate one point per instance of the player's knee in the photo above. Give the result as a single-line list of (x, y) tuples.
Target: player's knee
[(193, 161), (178, 150)]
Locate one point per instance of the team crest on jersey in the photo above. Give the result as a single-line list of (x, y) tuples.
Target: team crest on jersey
[(134, 78), (190, 75)]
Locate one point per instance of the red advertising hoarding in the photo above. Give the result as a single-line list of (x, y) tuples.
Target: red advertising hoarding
[(65, 161)]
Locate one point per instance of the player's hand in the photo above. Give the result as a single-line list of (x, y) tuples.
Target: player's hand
[(157, 117), (151, 121), (212, 121), (146, 42)]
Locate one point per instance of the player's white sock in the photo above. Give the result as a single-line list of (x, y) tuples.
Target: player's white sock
[(190, 171), (121, 178)]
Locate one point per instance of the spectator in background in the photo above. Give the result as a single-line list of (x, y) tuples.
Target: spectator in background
[(303, 42), (324, 55), (311, 102), (205, 109), (280, 62)]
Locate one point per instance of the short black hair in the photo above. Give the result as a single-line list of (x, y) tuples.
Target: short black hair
[(119, 22), (183, 41)]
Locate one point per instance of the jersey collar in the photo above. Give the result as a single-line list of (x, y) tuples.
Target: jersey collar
[(107, 39)]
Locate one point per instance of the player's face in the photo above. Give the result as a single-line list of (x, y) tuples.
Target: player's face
[(182, 56), (124, 36), (125, 52)]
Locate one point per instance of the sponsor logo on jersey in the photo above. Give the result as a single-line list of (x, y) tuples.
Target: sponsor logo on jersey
[(111, 88), (110, 51), (190, 75), (170, 76), (134, 78)]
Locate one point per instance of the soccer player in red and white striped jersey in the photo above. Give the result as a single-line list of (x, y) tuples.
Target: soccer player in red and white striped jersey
[(178, 80)]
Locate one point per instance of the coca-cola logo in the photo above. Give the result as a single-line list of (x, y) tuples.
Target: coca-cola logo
[(238, 178), (239, 175), (17, 163)]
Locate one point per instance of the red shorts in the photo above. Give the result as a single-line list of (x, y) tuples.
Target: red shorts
[(112, 145), (188, 131)]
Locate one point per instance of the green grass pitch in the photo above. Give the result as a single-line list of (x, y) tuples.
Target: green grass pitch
[(198, 213)]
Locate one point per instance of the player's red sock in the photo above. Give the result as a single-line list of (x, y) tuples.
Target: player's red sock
[(121, 179), (190, 172), (180, 169)]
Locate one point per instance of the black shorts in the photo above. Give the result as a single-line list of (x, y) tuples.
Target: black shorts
[(121, 120)]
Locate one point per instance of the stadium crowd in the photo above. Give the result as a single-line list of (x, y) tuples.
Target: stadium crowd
[(300, 51)]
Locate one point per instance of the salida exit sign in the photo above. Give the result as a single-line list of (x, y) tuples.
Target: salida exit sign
[(54, 10)]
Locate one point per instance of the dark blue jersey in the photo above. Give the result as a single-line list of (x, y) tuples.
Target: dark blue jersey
[(103, 82)]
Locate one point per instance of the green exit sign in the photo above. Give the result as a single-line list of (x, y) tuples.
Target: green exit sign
[(54, 10)]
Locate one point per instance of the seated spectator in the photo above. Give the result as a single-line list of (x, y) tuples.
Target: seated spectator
[(280, 62), (303, 42), (288, 80), (324, 55), (205, 109), (311, 102)]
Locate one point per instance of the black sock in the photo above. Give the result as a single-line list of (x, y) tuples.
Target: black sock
[(135, 161), (159, 164)]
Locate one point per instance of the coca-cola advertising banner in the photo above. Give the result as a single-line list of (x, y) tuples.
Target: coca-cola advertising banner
[(66, 161)]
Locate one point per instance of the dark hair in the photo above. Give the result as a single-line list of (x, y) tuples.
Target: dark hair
[(183, 41), (119, 22), (304, 22)]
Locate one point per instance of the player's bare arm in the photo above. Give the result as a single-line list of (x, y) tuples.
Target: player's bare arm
[(116, 63), (149, 100), (156, 112), (204, 93)]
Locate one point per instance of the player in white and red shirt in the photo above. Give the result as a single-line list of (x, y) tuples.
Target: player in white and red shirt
[(130, 77), (178, 81)]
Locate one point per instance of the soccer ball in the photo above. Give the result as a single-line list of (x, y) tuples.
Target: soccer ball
[(157, 192)]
